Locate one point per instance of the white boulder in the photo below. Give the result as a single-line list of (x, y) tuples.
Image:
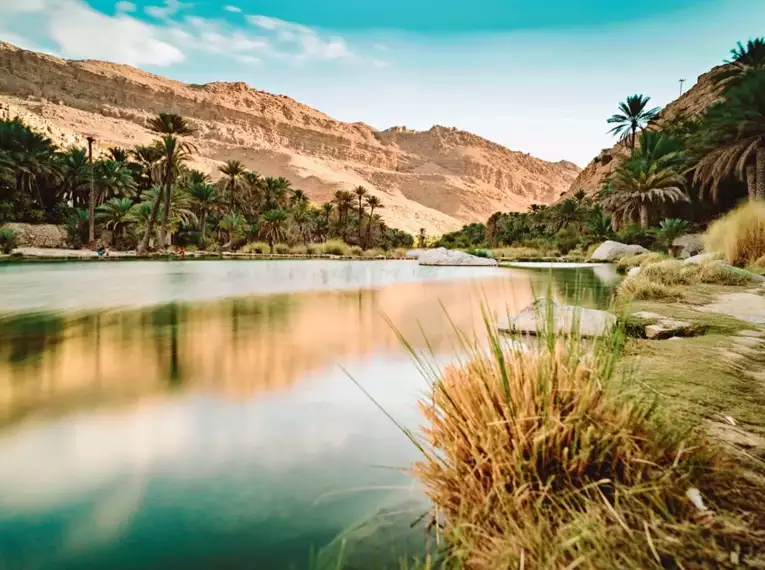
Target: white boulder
[(701, 258), (446, 257), (613, 250), (633, 272), (566, 319)]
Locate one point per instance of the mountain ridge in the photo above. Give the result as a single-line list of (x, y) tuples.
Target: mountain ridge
[(438, 179)]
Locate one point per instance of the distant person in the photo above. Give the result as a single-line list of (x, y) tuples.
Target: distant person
[(101, 251)]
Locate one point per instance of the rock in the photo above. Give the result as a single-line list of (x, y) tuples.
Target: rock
[(613, 250), (667, 328), (633, 272), (39, 235), (701, 258), (532, 320), (689, 245), (743, 273), (414, 253), (648, 316), (446, 257)]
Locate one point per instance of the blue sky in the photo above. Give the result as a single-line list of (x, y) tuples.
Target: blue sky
[(539, 76)]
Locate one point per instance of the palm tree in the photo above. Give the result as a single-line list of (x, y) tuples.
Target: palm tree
[(653, 174), (74, 174), (233, 172), (344, 201), (204, 199), (299, 215), (115, 215), (233, 227), (360, 192), (374, 203), (32, 157), (275, 192), (112, 179), (147, 157), (421, 237), (734, 138), (744, 60), (174, 153), (118, 154), (298, 197), (272, 227), (633, 116)]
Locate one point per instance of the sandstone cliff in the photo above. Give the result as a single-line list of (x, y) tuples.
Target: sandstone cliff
[(691, 103), (437, 179)]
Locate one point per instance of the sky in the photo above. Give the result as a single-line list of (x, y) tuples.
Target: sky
[(538, 76)]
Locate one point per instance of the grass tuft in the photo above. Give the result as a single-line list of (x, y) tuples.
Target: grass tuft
[(336, 247), (627, 263), (740, 235), (256, 247), (642, 288)]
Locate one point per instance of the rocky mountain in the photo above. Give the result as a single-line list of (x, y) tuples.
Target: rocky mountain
[(437, 179), (692, 102)]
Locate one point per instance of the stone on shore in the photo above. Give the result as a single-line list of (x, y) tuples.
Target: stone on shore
[(701, 258), (689, 245), (613, 250), (446, 257), (566, 319), (662, 327), (633, 272)]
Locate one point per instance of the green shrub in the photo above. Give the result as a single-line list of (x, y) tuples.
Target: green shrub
[(627, 263), (281, 248), (356, 251), (258, 247), (8, 240), (480, 253), (567, 239), (671, 229), (634, 234), (315, 249), (336, 247), (300, 249)]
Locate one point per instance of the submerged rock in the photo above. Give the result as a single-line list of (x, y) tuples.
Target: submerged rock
[(613, 250), (566, 319), (446, 257)]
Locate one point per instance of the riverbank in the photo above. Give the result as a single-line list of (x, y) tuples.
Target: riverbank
[(644, 452)]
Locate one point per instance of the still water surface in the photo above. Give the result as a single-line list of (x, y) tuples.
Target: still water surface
[(198, 414)]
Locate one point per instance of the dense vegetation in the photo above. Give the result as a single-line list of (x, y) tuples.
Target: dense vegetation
[(673, 174), (147, 196)]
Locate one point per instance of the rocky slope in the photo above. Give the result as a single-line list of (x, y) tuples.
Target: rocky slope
[(436, 179), (692, 102)]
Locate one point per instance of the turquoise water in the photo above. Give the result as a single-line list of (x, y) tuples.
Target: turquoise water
[(200, 414)]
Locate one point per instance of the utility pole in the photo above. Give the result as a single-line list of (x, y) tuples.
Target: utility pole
[(92, 198), (681, 85)]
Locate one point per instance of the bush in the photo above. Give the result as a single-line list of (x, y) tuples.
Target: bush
[(356, 251), (315, 249), (627, 263), (671, 229), (538, 461), (373, 253), (634, 234), (281, 248), (258, 247), (567, 239), (299, 249), (485, 253), (640, 288), (8, 240), (336, 247), (740, 235), (400, 252)]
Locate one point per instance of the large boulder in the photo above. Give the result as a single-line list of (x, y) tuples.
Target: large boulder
[(689, 245), (566, 319), (38, 235), (445, 257), (613, 250)]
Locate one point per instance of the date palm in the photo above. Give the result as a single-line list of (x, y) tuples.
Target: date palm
[(272, 227), (734, 139), (174, 152), (374, 203), (118, 154), (75, 174), (234, 177), (633, 116), (652, 175), (115, 215), (204, 200), (360, 192), (744, 60), (300, 215), (232, 227), (113, 179), (344, 202), (148, 158), (274, 192)]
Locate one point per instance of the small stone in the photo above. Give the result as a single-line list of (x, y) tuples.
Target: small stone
[(701, 258), (666, 328), (633, 272), (648, 315), (613, 250)]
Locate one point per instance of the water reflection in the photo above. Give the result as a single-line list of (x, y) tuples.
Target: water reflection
[(224, 433)]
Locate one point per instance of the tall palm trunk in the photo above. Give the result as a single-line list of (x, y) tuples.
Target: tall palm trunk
[(644, 215), (361, 218), (168, 198), (615, 222), (633, 137), (760, 173), (751, 181), (369, 227), (203, 227), (144, 246)]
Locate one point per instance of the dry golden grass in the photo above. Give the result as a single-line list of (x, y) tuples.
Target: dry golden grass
[(536, 462), (627, 263), (740, 235), (642, 288)]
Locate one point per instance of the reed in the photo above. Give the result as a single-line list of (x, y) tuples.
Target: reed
[(740, 235)]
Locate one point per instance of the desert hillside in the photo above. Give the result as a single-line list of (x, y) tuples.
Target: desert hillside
[(437, 179), (692, 102)]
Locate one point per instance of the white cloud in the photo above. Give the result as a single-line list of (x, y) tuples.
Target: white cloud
[(125, 7), (234, 9), (82, 32), (248, 59), (170, 8), (298, 42)]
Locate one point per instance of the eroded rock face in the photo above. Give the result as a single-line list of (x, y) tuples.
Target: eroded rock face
[(565, 320), (613, 250), (439, 179), (39, 235), (447, 257)]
